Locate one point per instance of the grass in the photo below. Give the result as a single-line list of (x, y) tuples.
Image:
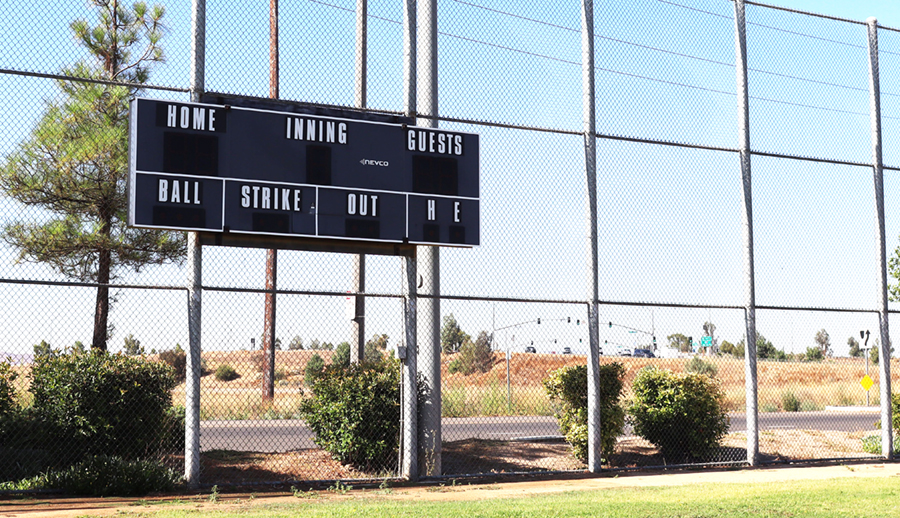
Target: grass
[(839, 497), (460, 400)]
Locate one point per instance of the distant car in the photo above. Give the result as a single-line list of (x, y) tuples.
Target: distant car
[(643, 353), (626, 352), (567, 350), (530, 349)]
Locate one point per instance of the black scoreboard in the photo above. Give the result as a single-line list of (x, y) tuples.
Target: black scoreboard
[(236, 169)]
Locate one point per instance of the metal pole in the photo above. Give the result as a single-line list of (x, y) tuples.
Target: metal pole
[(194, 280), (271, 254), (884, 364), (595, 444), (358, 324), (409, 463), (428, 257), (740, 49)]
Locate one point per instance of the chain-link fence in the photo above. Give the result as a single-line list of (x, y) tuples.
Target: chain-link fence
[(515, 315)]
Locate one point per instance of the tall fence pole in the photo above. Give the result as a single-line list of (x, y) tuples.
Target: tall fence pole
[(269, 338), (595, 444), (409, 460), (194, 280), (740, 50), (358, 324), (428, 257), (878, 170)]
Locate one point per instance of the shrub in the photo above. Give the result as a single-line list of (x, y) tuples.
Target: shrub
[(103, 403), (567, 389), (682, 414), (225, 372), (474, 357), (697, 366), (313, 370), (177, 359), (789, 402), (341, 356), (173, 430), (103, 475), (7, 390), (354, 412), (872, 444), (814, 354)]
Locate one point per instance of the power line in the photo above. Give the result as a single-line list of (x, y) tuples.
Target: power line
[(666, 51), (626, 74)]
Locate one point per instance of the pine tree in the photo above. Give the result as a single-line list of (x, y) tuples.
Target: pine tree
[(74, 164)]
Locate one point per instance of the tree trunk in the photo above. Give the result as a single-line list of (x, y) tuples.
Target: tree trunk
[(101, 309)]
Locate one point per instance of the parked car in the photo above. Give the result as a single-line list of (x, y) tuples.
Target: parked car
[(643, 353), (567, 350), (530, 349)]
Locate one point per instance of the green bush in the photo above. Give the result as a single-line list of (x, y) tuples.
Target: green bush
[(682, 414), (872, 444), (474, 357), (355, 412), (225, 372), (341, 356), (102, 403), (789, 402), (24, 439), (313, 370), (173, 431), (102, 475), (697, 366), (7, 390), (177, 359), (567, 389)]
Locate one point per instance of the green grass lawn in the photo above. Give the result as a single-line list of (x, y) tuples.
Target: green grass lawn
[(840, 497)]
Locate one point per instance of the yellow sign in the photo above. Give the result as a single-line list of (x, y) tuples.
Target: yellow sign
[(866, 382)]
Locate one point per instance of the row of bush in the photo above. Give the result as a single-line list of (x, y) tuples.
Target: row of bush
[(683, 415), (90, 411)]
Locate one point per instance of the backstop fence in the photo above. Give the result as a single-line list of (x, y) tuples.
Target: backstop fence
[(780, 297)]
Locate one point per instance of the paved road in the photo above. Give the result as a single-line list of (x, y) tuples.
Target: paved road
[(287, 435)]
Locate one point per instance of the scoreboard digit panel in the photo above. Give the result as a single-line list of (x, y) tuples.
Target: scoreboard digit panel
[(287, 173)]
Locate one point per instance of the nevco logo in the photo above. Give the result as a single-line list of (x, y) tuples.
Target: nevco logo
[(379, 163)]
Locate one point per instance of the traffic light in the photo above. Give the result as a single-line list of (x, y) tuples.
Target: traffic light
[(568, 320), (654, 341), (610, 324), (539, 320)]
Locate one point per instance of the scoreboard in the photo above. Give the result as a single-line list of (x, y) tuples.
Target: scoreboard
[(231, 169)]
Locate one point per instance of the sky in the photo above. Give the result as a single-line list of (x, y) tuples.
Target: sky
[(669, 217)]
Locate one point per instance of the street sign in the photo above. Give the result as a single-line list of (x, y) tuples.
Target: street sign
[(229, 169), (866, 382), (705, 341)]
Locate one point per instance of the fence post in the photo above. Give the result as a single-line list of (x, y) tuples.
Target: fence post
[(409, 464), (878, 170), (740, 49), (429, 317), (358, 267), (194, 281), (409, 468), (595, 444)]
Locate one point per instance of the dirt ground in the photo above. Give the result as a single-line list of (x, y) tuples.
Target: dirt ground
[(471, 457)]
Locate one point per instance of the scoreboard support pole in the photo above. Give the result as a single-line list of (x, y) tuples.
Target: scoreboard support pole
[(428, 257), (358, 324), (195, 277)]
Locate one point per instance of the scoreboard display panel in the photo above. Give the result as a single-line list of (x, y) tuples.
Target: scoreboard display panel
[(231, 169)]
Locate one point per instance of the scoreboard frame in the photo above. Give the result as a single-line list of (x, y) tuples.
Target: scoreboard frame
[(271, 174)]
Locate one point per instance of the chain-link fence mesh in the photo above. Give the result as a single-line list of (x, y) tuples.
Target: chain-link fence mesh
[(513, 319)]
